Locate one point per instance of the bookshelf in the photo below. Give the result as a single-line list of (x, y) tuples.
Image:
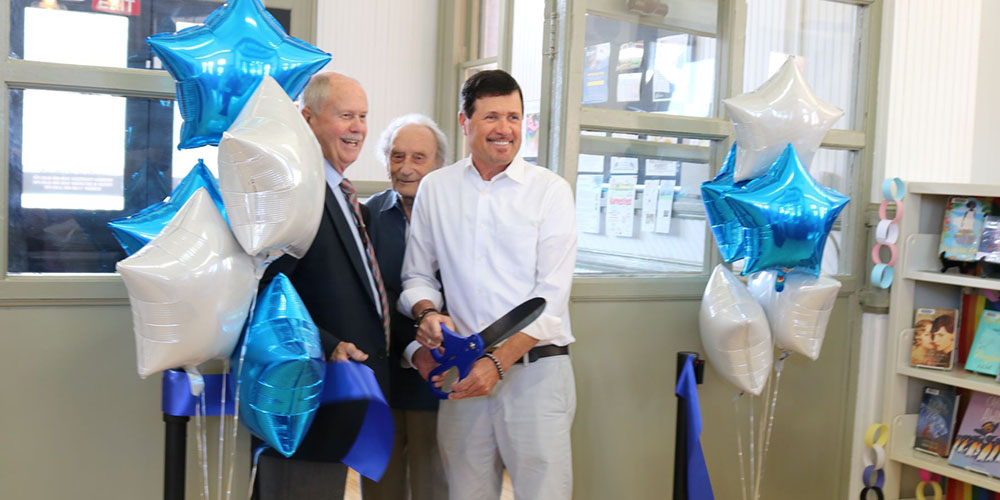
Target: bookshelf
[(919, 283)]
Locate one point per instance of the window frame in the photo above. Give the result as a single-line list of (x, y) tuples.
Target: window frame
[(564, 117), (84, 288)]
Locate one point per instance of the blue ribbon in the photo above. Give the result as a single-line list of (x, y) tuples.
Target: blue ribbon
[(343, 381), (353, 382), (178, 401), (698, 483)]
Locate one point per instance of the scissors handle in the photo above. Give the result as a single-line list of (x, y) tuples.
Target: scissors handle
[(459, 352)]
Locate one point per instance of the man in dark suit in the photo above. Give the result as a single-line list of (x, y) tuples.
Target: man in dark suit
[(340, 283), (410, 147)]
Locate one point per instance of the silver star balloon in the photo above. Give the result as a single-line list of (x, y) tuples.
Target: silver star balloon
[(782, 111), (799, 314), (190, 290), (735, 333), (271, 175)]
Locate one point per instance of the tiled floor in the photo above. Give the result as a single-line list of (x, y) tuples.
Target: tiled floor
[(353, 491)]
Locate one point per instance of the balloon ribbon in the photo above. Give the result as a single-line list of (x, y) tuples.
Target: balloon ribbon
[(343, 381)]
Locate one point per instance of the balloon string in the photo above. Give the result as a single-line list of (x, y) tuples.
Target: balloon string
[(222, 430), (752, 438), (253, 470), (236, 403), (778, 367), (759, 441), (202, 440), (739, 447)]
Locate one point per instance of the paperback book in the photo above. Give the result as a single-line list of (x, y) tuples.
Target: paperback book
[(977, 444), (934, 338), (989, 242), (936, 420), (984, 357), (963, 225)]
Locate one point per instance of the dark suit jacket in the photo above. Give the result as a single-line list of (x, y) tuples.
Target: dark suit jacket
[(387, 231), (333, 283)]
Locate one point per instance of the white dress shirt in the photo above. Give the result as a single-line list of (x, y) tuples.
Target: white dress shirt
[(497, 243), (333, 179)]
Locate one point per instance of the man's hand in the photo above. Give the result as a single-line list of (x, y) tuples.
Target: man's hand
[(345, 351), (429, 334), (423, 362), (480, 381)]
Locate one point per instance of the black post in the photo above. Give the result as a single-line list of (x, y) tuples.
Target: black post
[(174, 457), (680, 434)]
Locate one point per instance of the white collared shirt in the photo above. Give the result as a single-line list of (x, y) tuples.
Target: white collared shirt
[(333, 179), (497, 243)]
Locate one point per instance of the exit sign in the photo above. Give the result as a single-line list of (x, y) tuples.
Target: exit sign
[(124, 7)]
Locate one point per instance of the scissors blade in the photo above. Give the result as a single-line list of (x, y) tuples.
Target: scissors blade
[(512, 322)]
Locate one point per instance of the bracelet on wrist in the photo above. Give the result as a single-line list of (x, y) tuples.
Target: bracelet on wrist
[(495, 362), (420, 317)]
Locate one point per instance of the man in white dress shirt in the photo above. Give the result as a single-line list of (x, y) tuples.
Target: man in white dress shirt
[(500, 231)]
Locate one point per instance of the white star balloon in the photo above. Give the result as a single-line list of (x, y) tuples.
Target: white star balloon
[(271, 175), (190, 290), (734, 332), (782, 110), (799, 314)]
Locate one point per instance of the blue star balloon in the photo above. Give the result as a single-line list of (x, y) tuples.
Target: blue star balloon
[(134, 231), (281, 375), (786, 217), (219, 64), (726, 228)]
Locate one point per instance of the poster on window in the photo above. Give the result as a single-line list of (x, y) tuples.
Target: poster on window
[(588, 203), (529, 142), (620, 215), (595, 73), (671, 56), (623, 165), (590, 164), (650, 195), (661, 168), (665, 206), (629, 85), (55, 173), (630, 56)]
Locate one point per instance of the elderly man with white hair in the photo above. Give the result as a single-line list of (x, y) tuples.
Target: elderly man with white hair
[(410, 147)]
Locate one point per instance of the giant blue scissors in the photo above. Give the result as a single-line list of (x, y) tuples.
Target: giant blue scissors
[(460, 353)]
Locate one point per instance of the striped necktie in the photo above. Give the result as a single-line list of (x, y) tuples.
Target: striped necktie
[(352, 198)]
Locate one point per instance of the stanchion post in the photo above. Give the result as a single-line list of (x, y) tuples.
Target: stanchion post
[(680, 434), (174, 456)]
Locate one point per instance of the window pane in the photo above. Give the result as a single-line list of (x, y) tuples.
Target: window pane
[(526, 67), (826, 34), (639, 209), (489, 28), (113, 159), (636, 67), (96, 33), (834, 168)]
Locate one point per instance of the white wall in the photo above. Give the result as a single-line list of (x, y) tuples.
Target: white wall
[(934, 105), (389, 46), (985, 166)]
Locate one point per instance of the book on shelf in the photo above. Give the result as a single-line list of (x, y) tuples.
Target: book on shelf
[(936, 420), (977, 444), (957, 490), (973, 305), (963, 226), (984, 357), (989, 242), (934, 338)]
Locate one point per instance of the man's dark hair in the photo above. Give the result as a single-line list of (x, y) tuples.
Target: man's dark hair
[(489, 83)]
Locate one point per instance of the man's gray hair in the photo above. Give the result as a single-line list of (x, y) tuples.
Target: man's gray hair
[(318, 89), (384, 147)]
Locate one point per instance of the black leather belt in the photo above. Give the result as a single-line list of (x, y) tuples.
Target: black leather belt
[(545, 351)]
